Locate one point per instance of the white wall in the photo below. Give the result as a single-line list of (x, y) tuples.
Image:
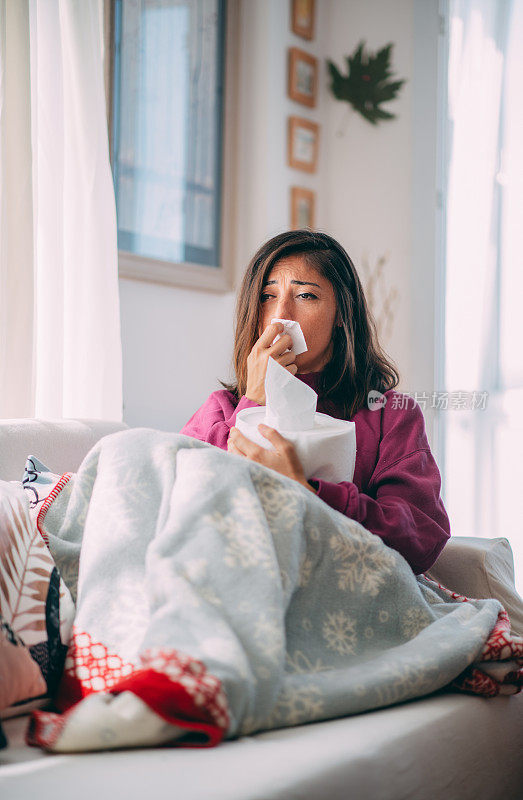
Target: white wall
[(375, 194), (265, 178), (176, 346), (380, 180), (369, 169), (427, 269)]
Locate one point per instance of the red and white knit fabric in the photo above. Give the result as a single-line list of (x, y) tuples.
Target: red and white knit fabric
[(499, 669), (175, 686)]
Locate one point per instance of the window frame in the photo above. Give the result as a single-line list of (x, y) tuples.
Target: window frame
[(219, 279)]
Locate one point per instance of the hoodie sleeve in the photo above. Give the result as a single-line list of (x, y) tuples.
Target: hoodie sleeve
[(402, 504), (215, 418)]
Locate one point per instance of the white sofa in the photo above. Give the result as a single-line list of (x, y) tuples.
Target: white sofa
[(448, 745)]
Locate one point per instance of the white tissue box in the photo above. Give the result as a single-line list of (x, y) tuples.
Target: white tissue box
[(327, 451)]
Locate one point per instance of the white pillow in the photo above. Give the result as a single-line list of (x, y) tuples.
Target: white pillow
[(480, 568)]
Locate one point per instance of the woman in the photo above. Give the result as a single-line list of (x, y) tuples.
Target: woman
[(308, 277)]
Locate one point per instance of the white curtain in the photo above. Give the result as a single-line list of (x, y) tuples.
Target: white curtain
[(484, 283), (60, 345)]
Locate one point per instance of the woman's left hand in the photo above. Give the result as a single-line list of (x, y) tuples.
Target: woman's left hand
[(284, 458)]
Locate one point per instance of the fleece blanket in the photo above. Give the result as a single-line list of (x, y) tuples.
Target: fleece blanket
[(217, 598)]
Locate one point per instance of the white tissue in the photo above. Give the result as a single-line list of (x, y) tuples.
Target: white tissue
[(326, 446), (290, 403), (294, 330)]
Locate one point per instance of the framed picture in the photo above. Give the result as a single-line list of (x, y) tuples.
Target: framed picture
[(303, 203), (302, 19), (303, 77), (302, 144)]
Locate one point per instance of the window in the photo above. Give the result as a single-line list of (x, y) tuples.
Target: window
[(171, 91), (484, 280)]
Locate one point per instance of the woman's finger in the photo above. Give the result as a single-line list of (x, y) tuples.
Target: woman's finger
[(270, 332), (231, 447), (234, 441), (286, 358), (287, 460), (275, 438), (278, 348), (244, 446)]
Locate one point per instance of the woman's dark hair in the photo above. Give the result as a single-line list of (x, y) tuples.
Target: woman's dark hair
[(358, 363)]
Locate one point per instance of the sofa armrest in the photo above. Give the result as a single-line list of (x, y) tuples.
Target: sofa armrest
[(481, 568)]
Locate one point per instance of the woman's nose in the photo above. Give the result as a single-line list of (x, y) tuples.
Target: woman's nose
[(284, 308)]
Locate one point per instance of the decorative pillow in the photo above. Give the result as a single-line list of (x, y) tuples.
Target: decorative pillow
[(481, 568), (20, 676), (41, 485), (35, 604)]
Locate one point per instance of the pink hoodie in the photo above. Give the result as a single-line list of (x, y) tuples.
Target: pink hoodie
[(395, 492)]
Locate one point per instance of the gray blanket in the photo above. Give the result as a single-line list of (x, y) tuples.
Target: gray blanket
[(285, 610)]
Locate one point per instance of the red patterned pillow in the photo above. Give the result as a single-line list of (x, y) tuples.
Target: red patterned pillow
[(20, 676), (35, 605)]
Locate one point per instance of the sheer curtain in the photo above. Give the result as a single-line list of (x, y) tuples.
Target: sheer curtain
[(60, 346), (484, 284)]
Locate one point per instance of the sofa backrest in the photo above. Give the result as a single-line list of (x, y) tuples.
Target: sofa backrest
[(60, 444)]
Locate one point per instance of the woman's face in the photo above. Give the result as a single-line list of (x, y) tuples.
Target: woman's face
[(296, 291)]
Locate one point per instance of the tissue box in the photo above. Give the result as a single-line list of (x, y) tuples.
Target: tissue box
[(327, 451)]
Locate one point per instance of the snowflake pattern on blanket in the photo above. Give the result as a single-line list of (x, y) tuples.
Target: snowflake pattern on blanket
[(217, 598)]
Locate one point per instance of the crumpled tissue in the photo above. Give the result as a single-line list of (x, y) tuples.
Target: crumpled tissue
[(294, 330)]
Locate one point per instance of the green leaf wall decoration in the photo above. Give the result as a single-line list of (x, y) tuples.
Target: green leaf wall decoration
[(366, 85)]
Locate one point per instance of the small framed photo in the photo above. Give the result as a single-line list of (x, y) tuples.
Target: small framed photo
[(302, 19), (303, 77), (303, 144), (303, 206)]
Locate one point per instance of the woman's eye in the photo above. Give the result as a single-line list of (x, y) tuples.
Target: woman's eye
[(305, 295)]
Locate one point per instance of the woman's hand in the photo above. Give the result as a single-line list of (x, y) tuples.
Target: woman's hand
[(258, 359), (284, 458)]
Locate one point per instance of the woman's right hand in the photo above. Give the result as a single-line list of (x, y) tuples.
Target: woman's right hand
[(258, 359)]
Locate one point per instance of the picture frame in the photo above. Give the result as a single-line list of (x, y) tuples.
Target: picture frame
[(303, 144), (303, 208), (302, 18), (302, 77)]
